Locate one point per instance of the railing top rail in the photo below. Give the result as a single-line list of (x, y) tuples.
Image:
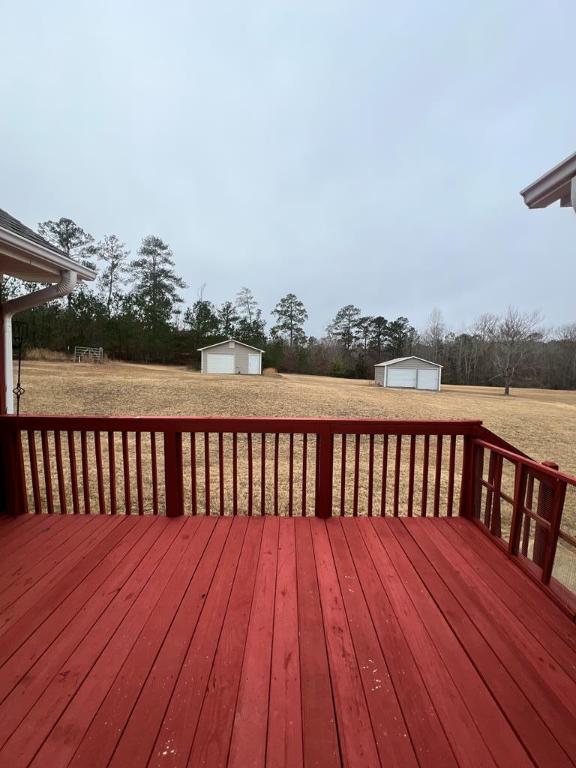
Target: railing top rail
[(255, 424), (540, 469)]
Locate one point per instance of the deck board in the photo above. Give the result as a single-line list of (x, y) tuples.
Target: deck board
[(277, 642)]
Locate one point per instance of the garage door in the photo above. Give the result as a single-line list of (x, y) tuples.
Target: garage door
[(401, 377), (219, 363), (427, 379)]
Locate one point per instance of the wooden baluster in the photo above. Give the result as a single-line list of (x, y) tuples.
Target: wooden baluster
[(221, 471), (370, 473), (193, 479), (85, 473), (384, 478), (411, 475), (438, 475), (126, 469), (397, 466), (112, 472), (557, 506), (234, 473), (527, 525), (139, 484), (304, 471), (60, 473), (290, 473), (356, 475), (451, 474), (276, 457), (263, 474), (47, 470), (343, 477), (73, 472), (154, 472), (34, 472), (425, 463), (99, 473), (250, 472), (207, 472)]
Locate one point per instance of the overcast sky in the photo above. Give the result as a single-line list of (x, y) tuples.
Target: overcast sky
[(351, 152)]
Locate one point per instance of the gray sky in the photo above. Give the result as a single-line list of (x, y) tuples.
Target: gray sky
[(351, 152)]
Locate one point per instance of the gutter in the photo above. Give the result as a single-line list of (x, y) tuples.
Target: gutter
[(558, 184), (53, 259), (68, 281)]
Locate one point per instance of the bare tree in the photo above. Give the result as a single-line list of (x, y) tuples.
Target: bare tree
[(434, 334), (513, 335)]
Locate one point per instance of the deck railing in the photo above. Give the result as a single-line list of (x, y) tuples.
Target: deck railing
[(297, 467)]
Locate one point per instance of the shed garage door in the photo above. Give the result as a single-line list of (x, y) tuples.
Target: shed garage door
[(427, 379), (219, 363), (401, 377)]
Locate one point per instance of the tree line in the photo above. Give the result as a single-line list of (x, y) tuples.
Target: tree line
[(135, 312)]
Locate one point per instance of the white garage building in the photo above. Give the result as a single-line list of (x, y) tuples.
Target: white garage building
[(231, 356), (408, 373)]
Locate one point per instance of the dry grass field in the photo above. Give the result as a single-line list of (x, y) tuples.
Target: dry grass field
[(540, 422)]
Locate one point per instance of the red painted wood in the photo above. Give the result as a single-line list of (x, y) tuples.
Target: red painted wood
[(73, 472), (263, 473), (324, 473), (112, 472), (212, 738), (193, 477), (319, 735), (370, 474), (387, 721), (425, 728), (154, 470), (411, 475), (249, 732), (43, 715), (139, 483), (249, 450), (173, 480), (304, 474), (34, 472), (356, 484), (425, 463), (397, 468), (451, 474), (98, 742), (221, 471), (208, 509), (47, 471), (284, 740), (343, 468), (65, 736), (463, 704), (526, 721), (85, 472), (357, 741), (291, 474), (137, 739), (384, 478), (438, 475), (99, 473), (126, 474), (276, 461), (235, 474), (174, 740)]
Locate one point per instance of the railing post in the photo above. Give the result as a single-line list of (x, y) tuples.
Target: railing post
[(324, 472), (13, 499), (555, 521), (544, 509), (471, 485), (173, 483), (520, 481)]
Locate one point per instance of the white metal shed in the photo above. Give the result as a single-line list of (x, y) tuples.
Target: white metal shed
[(408, 373), (231, 356)]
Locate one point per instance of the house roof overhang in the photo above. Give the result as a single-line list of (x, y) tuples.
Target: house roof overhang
[(33, 262), (557, 185)]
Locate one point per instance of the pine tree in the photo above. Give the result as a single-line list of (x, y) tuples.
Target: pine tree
[(290, 315), (228, 319), (114, 254), (344, 327)]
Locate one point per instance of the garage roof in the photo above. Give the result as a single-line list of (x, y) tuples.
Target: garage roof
[(402, 359), (219, 344), (558, 184)]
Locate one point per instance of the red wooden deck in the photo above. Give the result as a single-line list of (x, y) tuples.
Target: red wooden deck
[(253, 641)]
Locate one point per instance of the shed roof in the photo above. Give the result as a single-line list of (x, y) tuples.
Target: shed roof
[(28, 256), (401, 360), (557, 184), (226, 341)]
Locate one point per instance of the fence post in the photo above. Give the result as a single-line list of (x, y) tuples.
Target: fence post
[(12, 480), (544, 509), (324, 472), (173, 484)]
